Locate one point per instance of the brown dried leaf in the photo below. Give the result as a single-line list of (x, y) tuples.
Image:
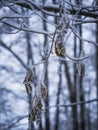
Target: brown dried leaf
[(29, 77), (39, 104), (28, 88), (60, 49), (43, 91), (33, 115), (34, 111)]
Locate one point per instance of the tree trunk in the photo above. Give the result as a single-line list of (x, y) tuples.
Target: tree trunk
[(29, 62), (97, 67), (29, 55), (72, 94), (47, 117), (80, 83), (56, 127), (82, 106)]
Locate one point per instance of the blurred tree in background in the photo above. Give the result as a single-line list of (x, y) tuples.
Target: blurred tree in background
[(48, 65)]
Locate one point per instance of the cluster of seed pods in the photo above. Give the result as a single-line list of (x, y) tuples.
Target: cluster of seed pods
[(39, 95)]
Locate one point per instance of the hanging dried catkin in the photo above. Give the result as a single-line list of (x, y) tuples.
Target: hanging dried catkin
[(29, 77)]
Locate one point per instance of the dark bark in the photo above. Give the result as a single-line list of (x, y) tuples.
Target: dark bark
[(47, 117), (72, 95), (29, 62), (97, 68), (97, 71), (88, 111), (88, 120), (75, 86), (55, 8), (56, 127), (81, 96), (82, 107)]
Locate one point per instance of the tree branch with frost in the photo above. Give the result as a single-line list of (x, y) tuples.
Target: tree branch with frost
[(21, 24), (85, 10), (46, 20), (14, 54), (47, 57), (85, 22), (72, 104), (75, 33), (13, 17), (25, 28), (14, 122), (40, 8), (77, 59), (19, 59)]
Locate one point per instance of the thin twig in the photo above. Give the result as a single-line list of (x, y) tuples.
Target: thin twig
[(77, 59), (15, 25), (72, 104), (12, 17), (74, 31), (16, 56)]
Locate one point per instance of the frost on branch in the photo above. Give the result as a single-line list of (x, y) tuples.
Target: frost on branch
[(62, 29)]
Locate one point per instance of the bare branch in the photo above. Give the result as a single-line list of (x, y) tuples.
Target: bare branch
[(15, 16), (47, 20), (72, 104), (15, 121), (74, 31), (85, 11), (15, 55), (16, 26), (85, 22), (77, 59)]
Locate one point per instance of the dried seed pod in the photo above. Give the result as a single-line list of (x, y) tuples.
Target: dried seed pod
[(28, 88), (60, 49), (39, 104), (43, 91), (29, 77), (34, 111), (31, 117), (33, 114)]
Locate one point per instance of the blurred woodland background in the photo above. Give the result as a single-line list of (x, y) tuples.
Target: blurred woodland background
[(30, 31)]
